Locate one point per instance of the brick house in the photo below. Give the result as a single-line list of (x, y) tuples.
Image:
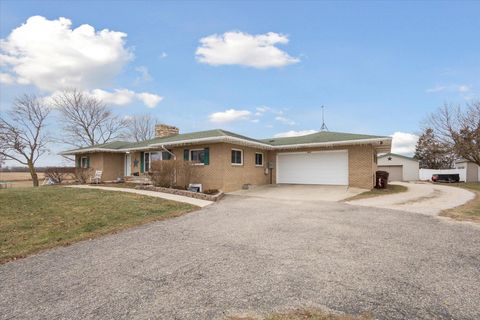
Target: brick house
[(227, 161)]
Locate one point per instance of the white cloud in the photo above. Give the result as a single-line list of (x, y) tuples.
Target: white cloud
[(6, 78), (229, 116), (462, 88), (51, 55), (123, 97), (119, 97), (293, 133), (144, 75), (149, 99), (404, 143), (163, 55), (239, 48), (285, 120)]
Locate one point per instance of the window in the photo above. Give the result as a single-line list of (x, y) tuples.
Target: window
[(197, 155), (149, 157), (146, 158), (237, 156), (259, 159), (84, 163)]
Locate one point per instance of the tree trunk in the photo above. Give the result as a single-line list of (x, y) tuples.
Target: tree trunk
[(33, 173)]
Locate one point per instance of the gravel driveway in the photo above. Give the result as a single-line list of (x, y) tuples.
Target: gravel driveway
[(425, 198), (253, 255)]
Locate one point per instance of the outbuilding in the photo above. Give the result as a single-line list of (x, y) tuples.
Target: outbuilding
[(472, 171), (400, 168)]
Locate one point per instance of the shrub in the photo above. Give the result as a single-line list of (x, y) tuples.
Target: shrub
[(83, 174), (60, 174), (172, 173)]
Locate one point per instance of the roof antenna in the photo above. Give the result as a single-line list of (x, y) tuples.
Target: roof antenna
[(324, 126)]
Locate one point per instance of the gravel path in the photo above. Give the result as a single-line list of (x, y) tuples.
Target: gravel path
[(425, 198), (253, 255)]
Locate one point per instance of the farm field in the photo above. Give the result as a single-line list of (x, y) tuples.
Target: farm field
[(19, 179)]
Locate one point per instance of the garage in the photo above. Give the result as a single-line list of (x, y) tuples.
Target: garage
[(395, 173), (399, 167), (323, 167)]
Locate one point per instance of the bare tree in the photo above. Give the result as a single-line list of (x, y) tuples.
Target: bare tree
[(141, 127), (87, 121), (22, 134), (459, 129)]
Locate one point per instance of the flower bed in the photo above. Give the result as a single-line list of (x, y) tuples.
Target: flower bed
[(196, 195)]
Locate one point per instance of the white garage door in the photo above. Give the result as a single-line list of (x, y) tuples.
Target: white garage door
[(326, 167)]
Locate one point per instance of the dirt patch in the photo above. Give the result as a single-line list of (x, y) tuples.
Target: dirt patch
[(470, 211), (391, 189), (301, 314)]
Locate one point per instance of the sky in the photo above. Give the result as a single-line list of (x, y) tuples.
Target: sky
[(260, 69)]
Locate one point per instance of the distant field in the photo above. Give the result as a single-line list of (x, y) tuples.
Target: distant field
[(18, 176), (20, 179)]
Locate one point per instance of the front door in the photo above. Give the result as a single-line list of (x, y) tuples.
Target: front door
[(128, 164)]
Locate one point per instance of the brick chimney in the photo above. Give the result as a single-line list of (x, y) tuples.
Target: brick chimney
[(163, 130)]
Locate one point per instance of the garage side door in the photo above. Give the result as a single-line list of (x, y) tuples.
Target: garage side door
[(395, 173), (329, 167)]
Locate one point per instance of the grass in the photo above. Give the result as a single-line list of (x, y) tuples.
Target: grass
[(33, 219), (306, 315), (469, 211), (391, 189)]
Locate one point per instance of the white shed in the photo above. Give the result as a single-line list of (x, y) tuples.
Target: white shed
[(472, 173), (400, 168)]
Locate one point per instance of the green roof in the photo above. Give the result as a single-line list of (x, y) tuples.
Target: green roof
[(319, 137), (114, 145), (191, 136)]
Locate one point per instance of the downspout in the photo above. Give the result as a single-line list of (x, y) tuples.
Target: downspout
[(174, 158)]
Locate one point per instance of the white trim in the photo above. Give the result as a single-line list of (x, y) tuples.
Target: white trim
[(241, 157), (263, 159)]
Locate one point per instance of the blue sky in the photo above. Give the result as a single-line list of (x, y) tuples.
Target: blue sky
[(378, 67)]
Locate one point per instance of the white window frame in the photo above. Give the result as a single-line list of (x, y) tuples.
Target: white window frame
[(145, 169), (87, 162), (263, 159), (190, 156), (241, 157)]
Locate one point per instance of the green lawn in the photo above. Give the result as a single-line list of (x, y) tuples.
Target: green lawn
[(391, 188), (469, 211), (32, 219)]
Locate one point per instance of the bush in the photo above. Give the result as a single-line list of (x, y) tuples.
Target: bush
[(83, 174), (172, 173), (60, 174)]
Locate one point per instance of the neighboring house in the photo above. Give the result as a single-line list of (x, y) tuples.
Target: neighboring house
[(472, 171), (400, 168), (228, 161)]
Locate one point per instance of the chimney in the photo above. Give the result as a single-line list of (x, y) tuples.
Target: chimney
[(163, 130)]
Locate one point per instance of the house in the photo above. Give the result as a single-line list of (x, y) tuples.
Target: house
[(400, 168), (227, 161), (472, 171)]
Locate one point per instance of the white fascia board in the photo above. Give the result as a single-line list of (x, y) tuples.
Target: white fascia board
[(333, 143)]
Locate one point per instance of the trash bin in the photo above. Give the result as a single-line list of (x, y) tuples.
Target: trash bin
[(381, 179)]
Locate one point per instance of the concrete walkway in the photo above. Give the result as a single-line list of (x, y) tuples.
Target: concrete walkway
[(425, 198), (168, 196), (301, 192)]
